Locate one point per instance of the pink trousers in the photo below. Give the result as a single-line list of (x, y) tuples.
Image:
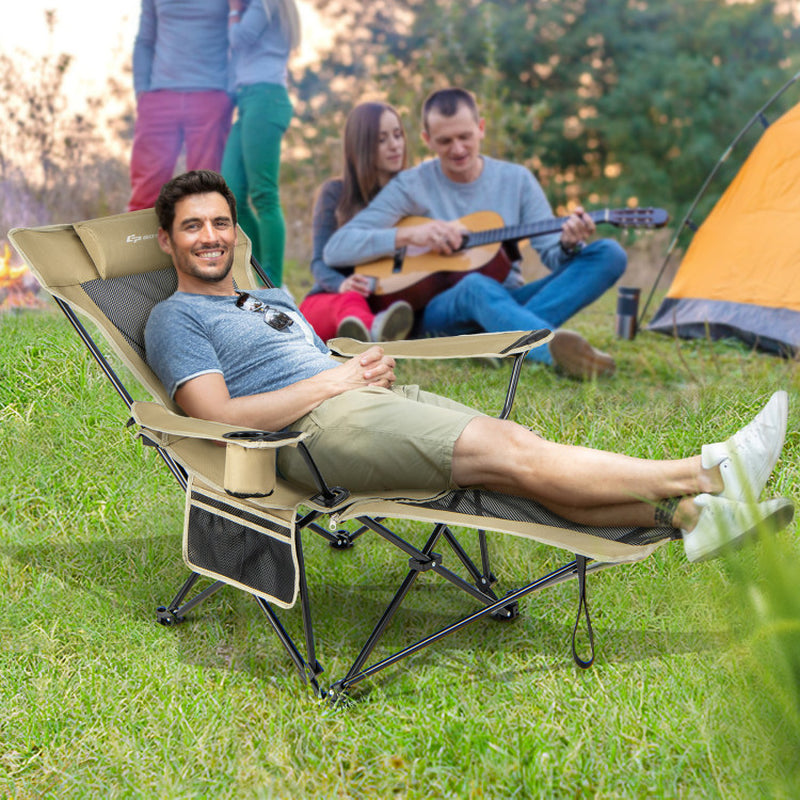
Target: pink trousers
[(165, 121), (325, 311)]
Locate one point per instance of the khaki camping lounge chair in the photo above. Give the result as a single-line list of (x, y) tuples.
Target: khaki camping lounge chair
[(243, 523)]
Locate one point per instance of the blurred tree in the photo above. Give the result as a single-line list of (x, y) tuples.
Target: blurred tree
[(55, 163), (609, 101)]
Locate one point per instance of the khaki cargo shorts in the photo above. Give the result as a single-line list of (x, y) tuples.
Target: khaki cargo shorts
[(375, 440)]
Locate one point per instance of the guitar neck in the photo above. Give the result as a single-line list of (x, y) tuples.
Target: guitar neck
[(513, 233)]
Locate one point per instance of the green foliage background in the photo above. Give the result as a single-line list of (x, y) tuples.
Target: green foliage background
[(609, 101), (606, 99)]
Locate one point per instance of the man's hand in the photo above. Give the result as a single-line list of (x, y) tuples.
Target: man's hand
[(371, 368), (436, 236), (362, 284), (577, 229), (207, 397)]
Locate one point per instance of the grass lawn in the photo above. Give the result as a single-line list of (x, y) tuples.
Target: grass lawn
[(694, 692)]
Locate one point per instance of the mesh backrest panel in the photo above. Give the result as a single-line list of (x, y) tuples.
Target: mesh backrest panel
[(128, 301), (492, 504)]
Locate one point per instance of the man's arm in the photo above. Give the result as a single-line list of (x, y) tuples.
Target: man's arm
[(554, 249), (373, 232), (370, 234), (144, 47), (207, 396)]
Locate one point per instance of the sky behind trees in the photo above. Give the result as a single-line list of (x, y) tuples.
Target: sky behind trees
[(100, 36)]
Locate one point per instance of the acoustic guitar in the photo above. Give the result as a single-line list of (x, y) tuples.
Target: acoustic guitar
[(416, 274)]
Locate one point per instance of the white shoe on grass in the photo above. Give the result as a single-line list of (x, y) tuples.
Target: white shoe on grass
[(353, 328), (727, 523), (394, 323), (747, 459)]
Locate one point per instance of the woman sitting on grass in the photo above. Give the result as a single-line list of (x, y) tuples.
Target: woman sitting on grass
[(338, 303)]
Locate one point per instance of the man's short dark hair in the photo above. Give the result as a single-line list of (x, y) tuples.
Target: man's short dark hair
[(447, 102), (198, 181)]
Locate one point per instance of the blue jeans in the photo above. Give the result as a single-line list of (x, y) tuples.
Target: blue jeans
[(251, 167), (479, 303)]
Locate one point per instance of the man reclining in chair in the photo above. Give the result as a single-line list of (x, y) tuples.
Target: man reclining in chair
[(253, 361)]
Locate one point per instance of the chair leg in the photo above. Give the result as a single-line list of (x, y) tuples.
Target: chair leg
[(484, 577), (175, 612), (307, 671), (421, 561), (308, 668), (356, 674)]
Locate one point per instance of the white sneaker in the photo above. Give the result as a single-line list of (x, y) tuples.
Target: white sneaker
[(749, 456), (394, 323), (353, 328), (726, 523)]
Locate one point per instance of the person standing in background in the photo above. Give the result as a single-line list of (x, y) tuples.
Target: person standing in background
[(181, 92), (262, 34)]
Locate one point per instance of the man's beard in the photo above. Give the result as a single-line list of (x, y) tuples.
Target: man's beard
[(223, 275), (196, 272)]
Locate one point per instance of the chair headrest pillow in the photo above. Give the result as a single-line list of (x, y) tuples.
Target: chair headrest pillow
[(123, 244)]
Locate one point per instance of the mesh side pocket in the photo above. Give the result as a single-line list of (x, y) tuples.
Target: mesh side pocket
[(227, 541)]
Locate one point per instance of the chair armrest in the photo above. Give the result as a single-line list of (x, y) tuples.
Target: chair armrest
[(155, 417), (250, 456), (475, 345)]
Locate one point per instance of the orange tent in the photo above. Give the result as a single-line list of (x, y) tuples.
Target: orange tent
[(741, 274)]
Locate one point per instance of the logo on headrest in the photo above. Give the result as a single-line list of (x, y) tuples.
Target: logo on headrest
[(135, 237)]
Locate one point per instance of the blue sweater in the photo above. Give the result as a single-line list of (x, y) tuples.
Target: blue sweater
[(508, 189), (181, 45), (259, 50)]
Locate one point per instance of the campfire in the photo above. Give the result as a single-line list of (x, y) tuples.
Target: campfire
[(18, 288)]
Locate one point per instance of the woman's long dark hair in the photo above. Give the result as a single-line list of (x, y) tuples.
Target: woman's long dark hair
[(360, 171)]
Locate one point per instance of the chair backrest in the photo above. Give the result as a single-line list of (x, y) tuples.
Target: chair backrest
[(113, 271)]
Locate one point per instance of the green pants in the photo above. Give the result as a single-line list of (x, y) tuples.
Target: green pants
[(251, 167)]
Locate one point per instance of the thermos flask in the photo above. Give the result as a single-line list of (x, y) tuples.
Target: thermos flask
[(627, 311)]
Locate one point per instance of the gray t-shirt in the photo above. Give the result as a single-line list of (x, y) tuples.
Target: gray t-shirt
[(188, 335), (509, 190)]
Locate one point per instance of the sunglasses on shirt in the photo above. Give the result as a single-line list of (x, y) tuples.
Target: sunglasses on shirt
[(272, 316)]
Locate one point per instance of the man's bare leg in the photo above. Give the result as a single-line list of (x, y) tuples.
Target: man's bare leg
[(595, 487), (587, 486)]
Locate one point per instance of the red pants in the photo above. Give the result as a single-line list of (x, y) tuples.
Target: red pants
[(165, 121), (325, 311)]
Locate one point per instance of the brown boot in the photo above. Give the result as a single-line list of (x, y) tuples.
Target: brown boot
[(575, 357)]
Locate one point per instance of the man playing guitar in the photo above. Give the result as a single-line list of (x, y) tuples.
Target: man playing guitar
[(462, 181)]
